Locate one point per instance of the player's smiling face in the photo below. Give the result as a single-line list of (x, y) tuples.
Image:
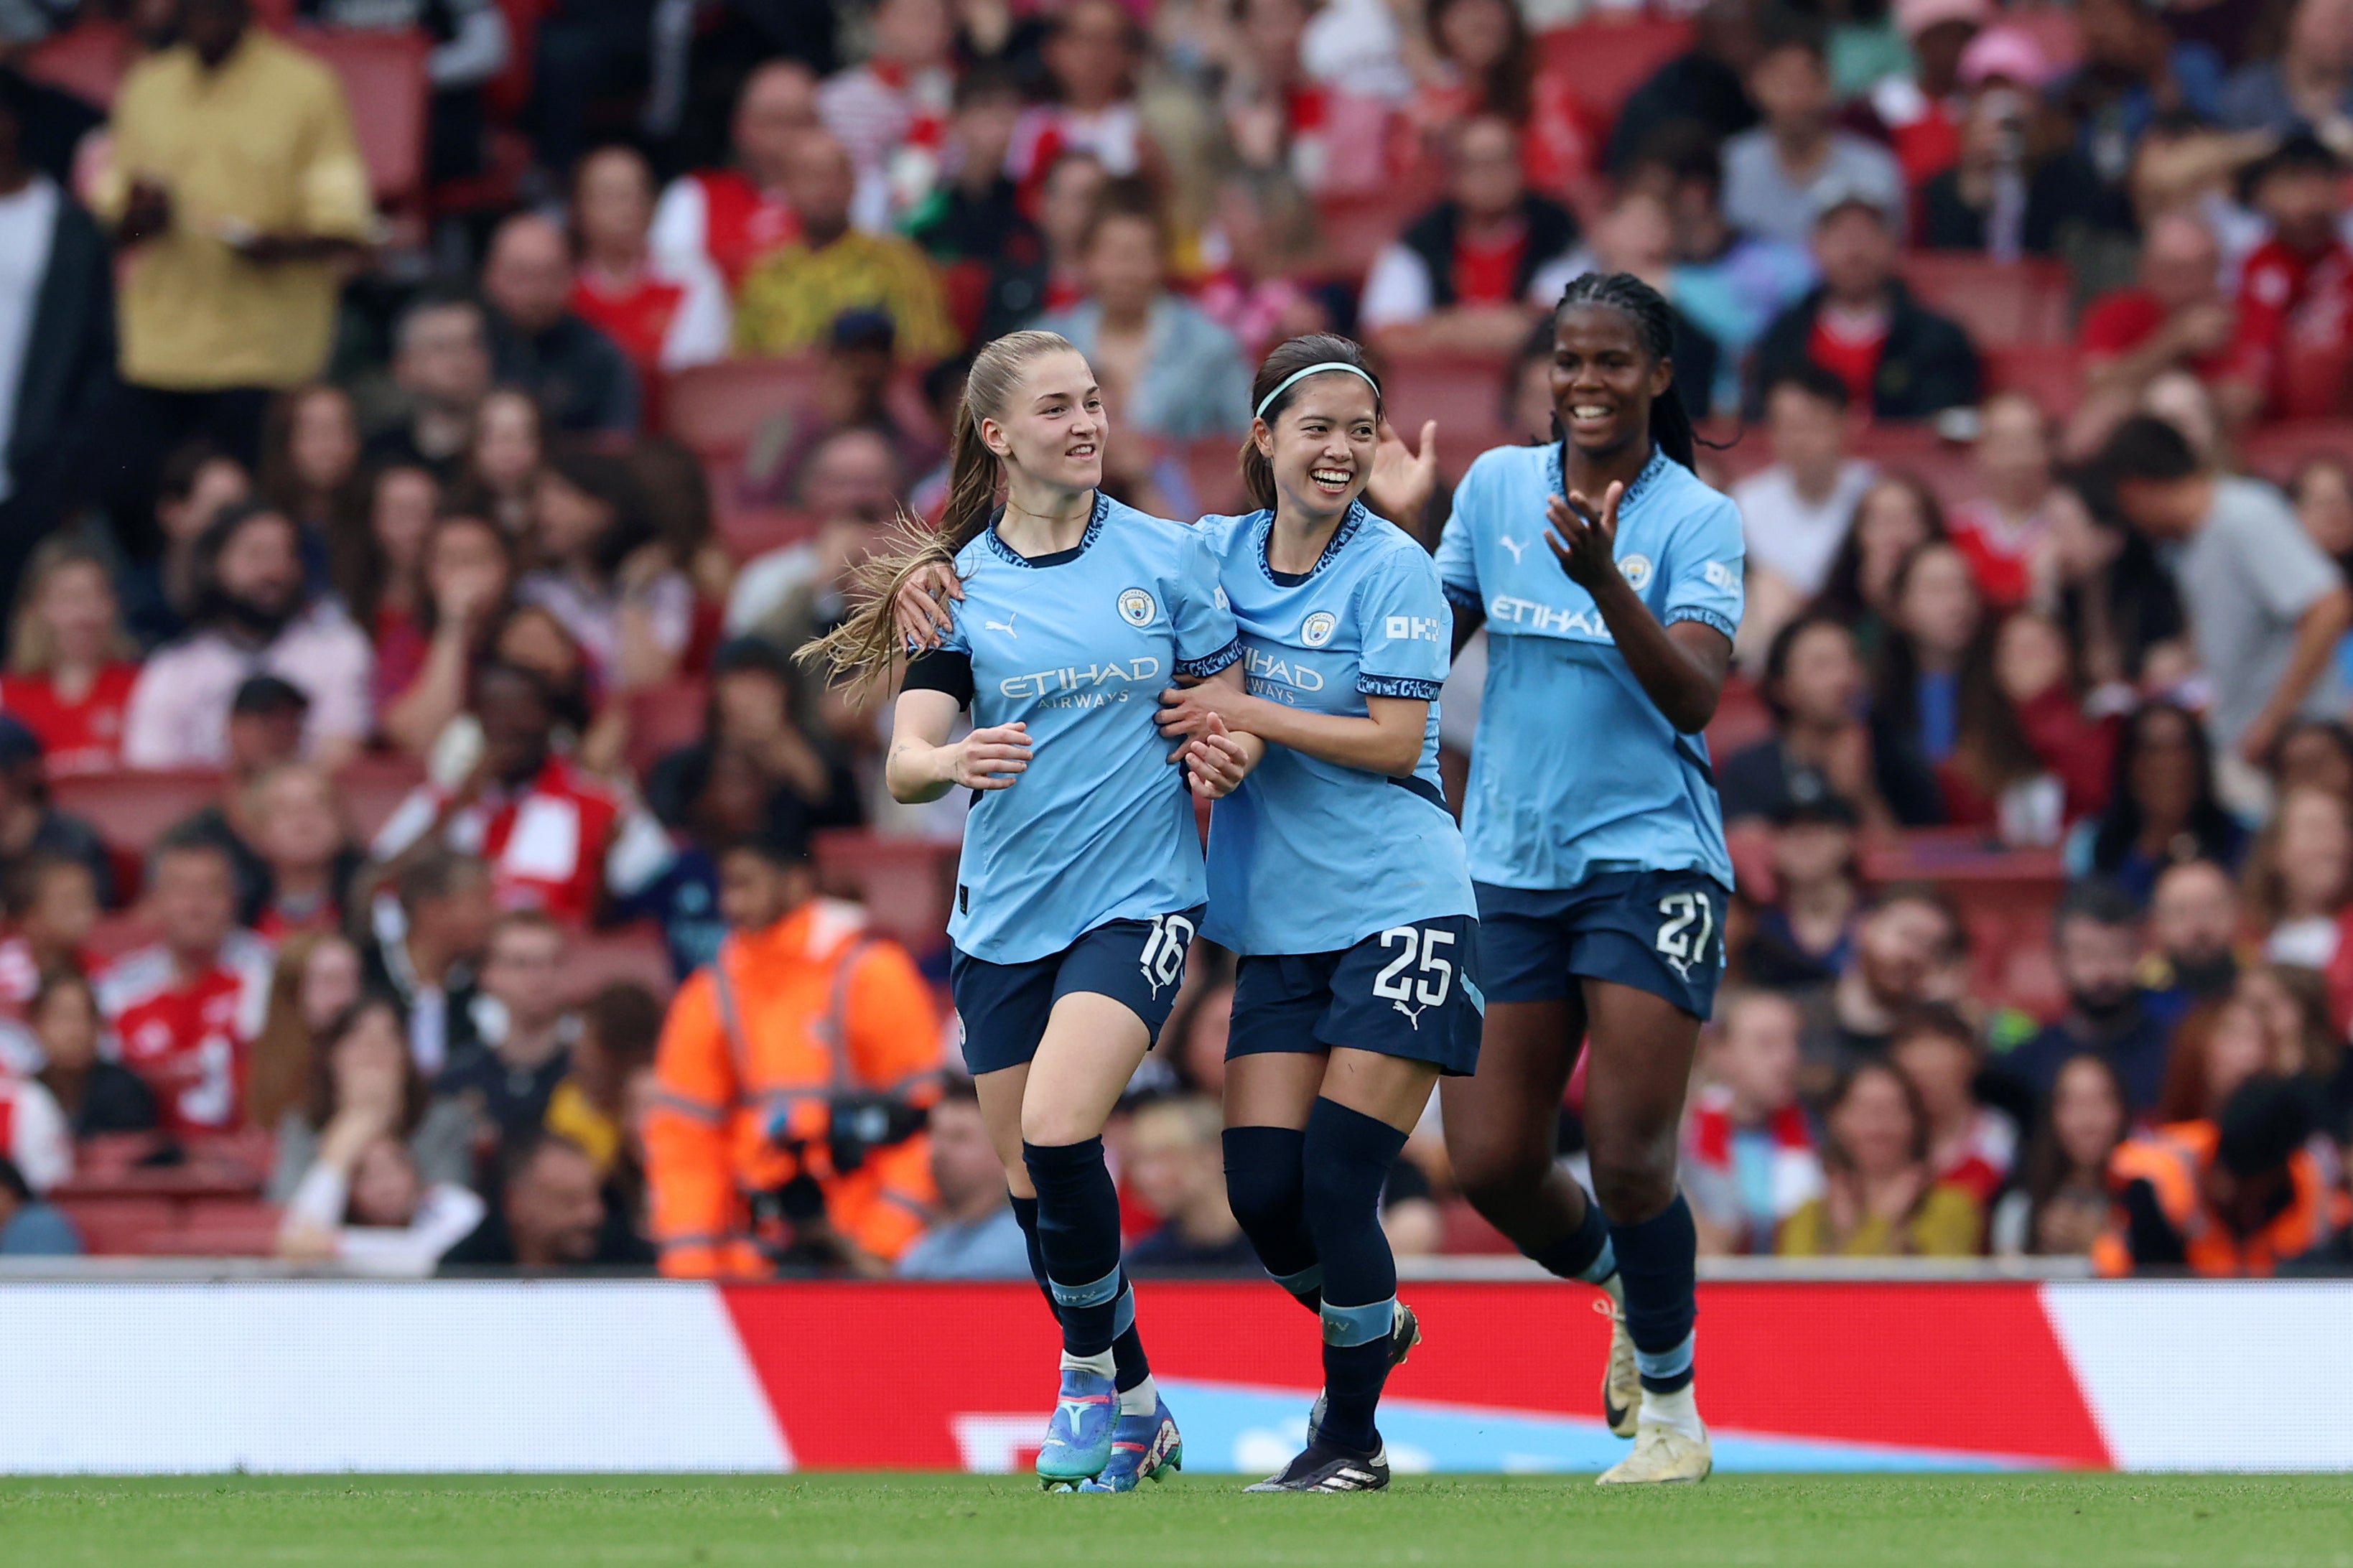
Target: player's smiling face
[(1604, 379), (1052, 427), (1320, 446)]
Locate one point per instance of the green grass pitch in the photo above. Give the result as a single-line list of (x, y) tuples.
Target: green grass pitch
[(962, 1521)]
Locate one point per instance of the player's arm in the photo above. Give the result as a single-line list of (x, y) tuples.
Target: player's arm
[(924, 765), (1682, 667), (1388, 740)]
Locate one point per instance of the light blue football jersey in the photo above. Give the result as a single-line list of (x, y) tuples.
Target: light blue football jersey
[(1079, 646), (1309, 856), (1574, 771)]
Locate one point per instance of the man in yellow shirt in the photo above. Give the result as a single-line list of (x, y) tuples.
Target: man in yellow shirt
[(236, 188), (791, 298)]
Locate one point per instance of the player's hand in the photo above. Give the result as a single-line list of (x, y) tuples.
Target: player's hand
[(1584, 537), (993, 758), (1185, 710), (1215, 762), (919, 609), (1403, 481)]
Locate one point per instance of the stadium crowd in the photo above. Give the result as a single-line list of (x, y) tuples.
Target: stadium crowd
[(428, 429)]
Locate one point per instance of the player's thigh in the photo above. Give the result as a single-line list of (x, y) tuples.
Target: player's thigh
[(1000, 1094), (1092, 1047), (1643, 1046), (1393, 1089), (1504, 1119), (1273, 1089)]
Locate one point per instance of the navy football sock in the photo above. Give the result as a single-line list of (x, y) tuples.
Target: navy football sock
[(1658, 1263), (1078, 1235), (1266, 1186), (1584, 1253), (1348, 1155), (1127, 1346)]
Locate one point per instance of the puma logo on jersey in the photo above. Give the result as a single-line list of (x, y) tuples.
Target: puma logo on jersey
[(1412, 1014), (1005, 626), (1516, 547)]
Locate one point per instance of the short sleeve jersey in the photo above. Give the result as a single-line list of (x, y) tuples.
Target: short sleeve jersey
[(1310, 856), (1078, 645), (1575, 772)]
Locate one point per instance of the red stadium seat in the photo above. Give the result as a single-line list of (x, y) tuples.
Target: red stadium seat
[(373, 787), (1213, 469), (2278, 451), (1948, 468), (2005, 897), (904, 883), (633, 954), (746, 531), (88, 60), (130, 809), (1464, 393), (718, 408), (1352, 230), (1606, 58), (1741, 718), (384, 80), (1996, 303), (2051, 374), (116, 1227), (664, 717), (244, 1229)]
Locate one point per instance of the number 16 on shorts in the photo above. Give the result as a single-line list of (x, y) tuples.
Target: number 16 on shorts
[(1165, 946)]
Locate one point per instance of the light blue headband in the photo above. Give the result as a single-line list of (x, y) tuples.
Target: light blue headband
[(1288, 381)]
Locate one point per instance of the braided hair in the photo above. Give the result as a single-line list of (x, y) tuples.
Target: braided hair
[(1654, 321)]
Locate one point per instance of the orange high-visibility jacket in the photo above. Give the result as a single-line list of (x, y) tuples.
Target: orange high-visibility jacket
[(2173, 1160), (781, 1020)]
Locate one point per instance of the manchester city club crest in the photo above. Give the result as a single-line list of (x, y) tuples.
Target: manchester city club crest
[(1136, 607), (1317, 629), (1636, 570)]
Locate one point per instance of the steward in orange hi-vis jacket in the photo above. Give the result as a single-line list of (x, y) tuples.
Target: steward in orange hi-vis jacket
[(2237, 1196), (790, 1083)]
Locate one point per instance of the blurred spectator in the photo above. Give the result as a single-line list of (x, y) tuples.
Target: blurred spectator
[(579, 377), (253, 615), (663, 315), (2307, 86), (2013, 191), (852, 393), (300, 833), (790, 298), (1819, 748), (971, 220), (1705, 85), (1794, 512), (974, 1236), (441, 365), (381, 570), (2060, 1205), (2175, 316), (444, 902), (1167, 369), (185, 1010), (1261, 237), (70, 664), (734, 1185), (732, 218), (1749, 1160), (316, 980), (52, 905), (523, 1029), (2294, 341), (1482, 60), (549, 1213), (94, 1095), (29, 1227), (1908, 949), (36, 1139), (2220, 1047), (2315, 754), (890, 112), (1881, 1196), (364, 1205), (502, 462), (1093, 51), (467, 575), (1475, 271), (1922, 110), (2095, 936), (197, 484), (470, 46), (2292, 1002), (2034, 669), (581, 844), (2194, 925), (2132, 70), (1804, 937), (58, 347), (2115, 598), (363, 1085), (1970, 1145), (1730, 284), (714, 810), (265, 733), (2231, 1193), (754, 699), (1899, 359), (311, 472), (1176, 1168), (1896, 514), (31, 827), (233, 182), (2005, 529), (2300, 876), (1027, 280), (603, 573), (612, 1048), (2322, 494), (2265, 605), (1779, 175)]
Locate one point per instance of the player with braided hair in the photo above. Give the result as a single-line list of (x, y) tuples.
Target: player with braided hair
[(1608, 578)]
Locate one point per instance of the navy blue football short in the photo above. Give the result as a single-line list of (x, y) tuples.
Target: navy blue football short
[(1411, 991), (1002, 1007), (1659, 931)]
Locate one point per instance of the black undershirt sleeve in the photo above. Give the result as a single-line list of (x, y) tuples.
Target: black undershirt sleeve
[(941, 669)]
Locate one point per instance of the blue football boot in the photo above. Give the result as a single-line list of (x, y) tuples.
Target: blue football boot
[(1078, 1439), (1143, 1447)]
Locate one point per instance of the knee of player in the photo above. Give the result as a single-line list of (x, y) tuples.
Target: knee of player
[(1497, 1178), (1634, 1183), (1051, 1126)]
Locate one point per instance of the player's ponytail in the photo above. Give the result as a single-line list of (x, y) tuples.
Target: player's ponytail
[(1654, 320), (862, 649), (1274, 389)]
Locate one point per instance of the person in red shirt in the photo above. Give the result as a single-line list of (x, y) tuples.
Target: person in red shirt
[(70, 664), (729, 218), (557, 837), (2005, 529), (1480, 58), (2294, 340), (187, 1009), (665, 312), (2176, 315)]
